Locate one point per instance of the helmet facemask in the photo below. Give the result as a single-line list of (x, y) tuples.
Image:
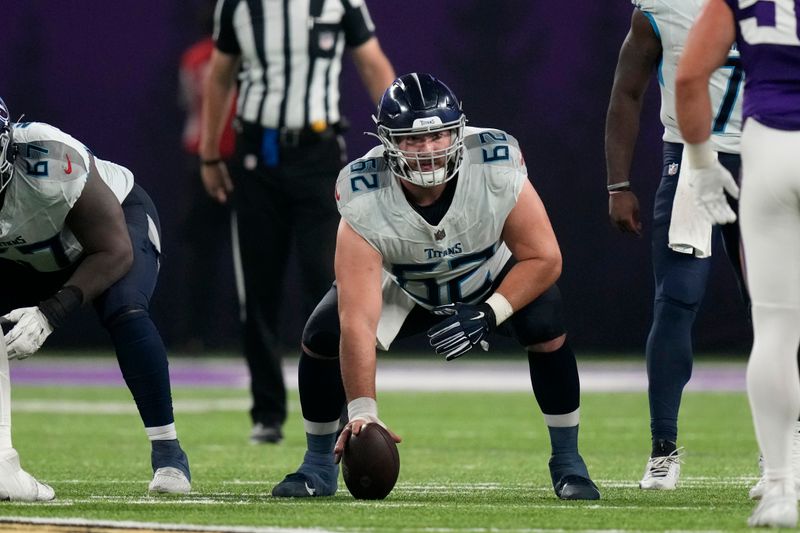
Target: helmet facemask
[(425, 169), (6, 146)]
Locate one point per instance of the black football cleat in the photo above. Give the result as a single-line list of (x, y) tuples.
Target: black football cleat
[(574, 487), (266, 434), (307, 485)]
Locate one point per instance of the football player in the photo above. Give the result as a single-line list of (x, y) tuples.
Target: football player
[(441, 232), (656, 38), (77, 230), (766, 35)]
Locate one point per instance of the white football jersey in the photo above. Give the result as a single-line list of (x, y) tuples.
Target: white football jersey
[(50, 171), (458, 259), (672, 20)]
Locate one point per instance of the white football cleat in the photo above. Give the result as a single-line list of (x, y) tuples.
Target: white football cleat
[(169, 480), (778, 506), (661, 473), (757, 491), (17, 485)]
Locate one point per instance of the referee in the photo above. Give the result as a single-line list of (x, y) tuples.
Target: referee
[(287, 55)]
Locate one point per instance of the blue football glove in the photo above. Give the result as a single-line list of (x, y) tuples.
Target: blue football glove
[(466, 327)]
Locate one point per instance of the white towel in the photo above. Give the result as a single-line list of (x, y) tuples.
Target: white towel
[(689, 231), (396, 307)]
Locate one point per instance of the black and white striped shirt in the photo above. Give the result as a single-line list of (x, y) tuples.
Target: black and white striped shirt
[(291, 56)]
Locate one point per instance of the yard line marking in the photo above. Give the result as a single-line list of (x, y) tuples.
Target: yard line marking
[(69, 523)]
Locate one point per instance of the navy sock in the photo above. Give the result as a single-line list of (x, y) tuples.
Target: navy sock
[(169, 453), (321, 444), (143, 361), (565, 459), (563, 440)]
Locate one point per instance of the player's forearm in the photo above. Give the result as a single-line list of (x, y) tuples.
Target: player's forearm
[(622, 130), (99, 270), (693, 107), (358, 361), (528, 279)]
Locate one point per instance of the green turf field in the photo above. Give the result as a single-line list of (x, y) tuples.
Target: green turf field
[(469, 462)]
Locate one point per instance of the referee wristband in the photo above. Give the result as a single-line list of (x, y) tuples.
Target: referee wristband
[(619, 187), (502, 309), (210, 162)]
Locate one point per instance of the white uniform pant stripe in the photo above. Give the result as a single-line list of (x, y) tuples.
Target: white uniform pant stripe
[(237, 268)]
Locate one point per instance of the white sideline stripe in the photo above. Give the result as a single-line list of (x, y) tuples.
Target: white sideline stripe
[(434, 375), (242, 529), (81, 522), (118, 408), (513, 376)]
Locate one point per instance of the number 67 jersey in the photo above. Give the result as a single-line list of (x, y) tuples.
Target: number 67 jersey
[(671, 21), (458, 259), (50, 172)]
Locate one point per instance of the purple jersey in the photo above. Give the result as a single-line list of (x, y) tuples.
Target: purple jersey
[(769, 43)]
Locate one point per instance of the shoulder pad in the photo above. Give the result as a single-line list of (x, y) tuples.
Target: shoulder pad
[(364, 175), (495, 147), (46, 152)]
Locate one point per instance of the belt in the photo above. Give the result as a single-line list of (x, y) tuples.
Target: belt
[(287, 137)]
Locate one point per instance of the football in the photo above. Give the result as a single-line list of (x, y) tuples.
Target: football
[(370, 463)]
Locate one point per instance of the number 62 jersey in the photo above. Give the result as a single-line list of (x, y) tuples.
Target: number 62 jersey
[(458, 259)]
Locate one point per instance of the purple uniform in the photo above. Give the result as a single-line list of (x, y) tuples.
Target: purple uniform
[(769, 43)]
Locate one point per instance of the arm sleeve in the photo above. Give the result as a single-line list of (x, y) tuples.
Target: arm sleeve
[(356, 23), (224, 31)]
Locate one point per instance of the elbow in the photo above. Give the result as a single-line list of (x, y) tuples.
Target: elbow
[(123, 259), (685, 82), (555, 264)]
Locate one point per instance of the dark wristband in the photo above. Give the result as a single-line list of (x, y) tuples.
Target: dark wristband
[(210, 162), (61, 304)]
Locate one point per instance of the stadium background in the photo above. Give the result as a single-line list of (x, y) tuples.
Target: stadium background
[(107, 74)]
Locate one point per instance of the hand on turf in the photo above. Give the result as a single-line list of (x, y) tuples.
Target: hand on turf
[(709, 186), (28, 334), (467, 326)]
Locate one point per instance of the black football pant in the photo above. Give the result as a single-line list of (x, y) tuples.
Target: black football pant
[(276, 209)]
